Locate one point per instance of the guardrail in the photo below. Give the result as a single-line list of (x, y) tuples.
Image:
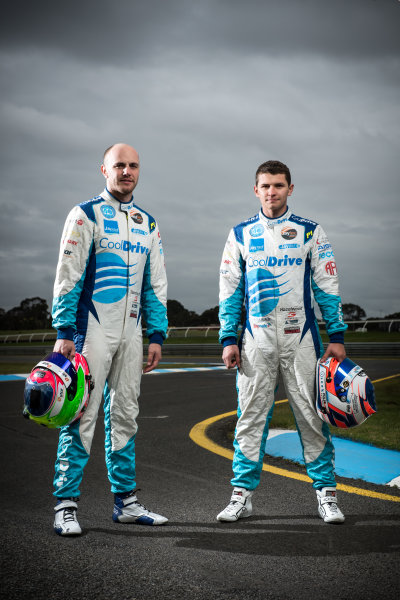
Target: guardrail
[(194, 331)]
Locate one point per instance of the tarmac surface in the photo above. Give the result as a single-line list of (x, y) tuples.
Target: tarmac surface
[(284, 550)]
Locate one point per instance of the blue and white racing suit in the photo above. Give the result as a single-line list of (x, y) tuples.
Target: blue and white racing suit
[(110, 271), (278, 267)]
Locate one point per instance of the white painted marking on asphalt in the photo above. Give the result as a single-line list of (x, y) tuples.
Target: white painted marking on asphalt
[(395, 482), (159, 417)]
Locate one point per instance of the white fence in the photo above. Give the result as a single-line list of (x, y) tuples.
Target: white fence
[(209, 331)]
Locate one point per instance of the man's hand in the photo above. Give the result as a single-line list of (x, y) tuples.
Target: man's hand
[(66, 348), (231, 356), (153, 357), (336, 350)]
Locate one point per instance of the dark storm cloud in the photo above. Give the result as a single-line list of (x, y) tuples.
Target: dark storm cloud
[(133, 32), (206, 91)]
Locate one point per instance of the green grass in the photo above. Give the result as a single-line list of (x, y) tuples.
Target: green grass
[(381, 429), (368, 336), (7, 368), (212, 337)]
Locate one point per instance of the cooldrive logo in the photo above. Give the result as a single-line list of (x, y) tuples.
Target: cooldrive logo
[(125, 246), (273, 261)]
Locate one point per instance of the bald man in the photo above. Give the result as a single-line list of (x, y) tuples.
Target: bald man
[(110, 271)]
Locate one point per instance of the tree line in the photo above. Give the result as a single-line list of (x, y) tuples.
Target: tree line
[(34, 313)]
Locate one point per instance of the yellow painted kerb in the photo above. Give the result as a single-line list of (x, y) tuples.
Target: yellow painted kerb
[(198, 435)]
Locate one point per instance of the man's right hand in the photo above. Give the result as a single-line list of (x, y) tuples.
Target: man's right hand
[(66, 348), (231, 356)]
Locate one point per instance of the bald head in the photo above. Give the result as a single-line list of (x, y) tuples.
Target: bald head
[(121, 170), (118, 145)]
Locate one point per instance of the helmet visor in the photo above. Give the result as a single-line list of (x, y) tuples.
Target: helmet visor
[(38, 398)]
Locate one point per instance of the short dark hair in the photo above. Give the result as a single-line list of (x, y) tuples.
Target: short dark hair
[(274, 167)]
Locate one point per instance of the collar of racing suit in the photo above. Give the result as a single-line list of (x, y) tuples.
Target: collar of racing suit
[(277, 221), (117, 204)]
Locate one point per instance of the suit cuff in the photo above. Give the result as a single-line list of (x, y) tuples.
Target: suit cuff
[(337, 337), (229, 341), (66, 333), (156, 338)]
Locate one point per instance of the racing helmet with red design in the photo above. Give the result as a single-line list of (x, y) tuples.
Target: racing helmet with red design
[(57, 390), (345, 394)]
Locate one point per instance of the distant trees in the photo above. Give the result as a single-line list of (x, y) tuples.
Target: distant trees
[(395, 315), (353, 312), (32, 313), (179, 316)]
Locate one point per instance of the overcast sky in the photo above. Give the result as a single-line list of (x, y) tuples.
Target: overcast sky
[(206, 90)]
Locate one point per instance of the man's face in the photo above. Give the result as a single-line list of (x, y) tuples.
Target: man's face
[(273, 191), (121, 170)]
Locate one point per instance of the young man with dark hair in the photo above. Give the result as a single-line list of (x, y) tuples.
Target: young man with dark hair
[(278, 264)]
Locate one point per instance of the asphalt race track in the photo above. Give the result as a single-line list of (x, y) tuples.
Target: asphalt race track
[(284, 550)]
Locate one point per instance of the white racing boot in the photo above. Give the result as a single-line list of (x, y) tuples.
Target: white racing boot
[(238, 507), (327, 506), (129, 510), (65, 521)]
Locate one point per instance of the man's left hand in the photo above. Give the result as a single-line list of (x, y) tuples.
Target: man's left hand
[(336, 350), (153, 357)]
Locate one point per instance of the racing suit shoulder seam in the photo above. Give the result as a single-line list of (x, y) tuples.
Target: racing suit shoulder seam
[(238, 229), (302, 220), (149, 216), (87, 207)]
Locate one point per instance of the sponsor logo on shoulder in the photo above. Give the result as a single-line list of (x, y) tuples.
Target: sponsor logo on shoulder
[(323, 246), (108, 211), (325, 255), (330, 268), (111, 227), (251, 219), (256, 230), (302, 220)]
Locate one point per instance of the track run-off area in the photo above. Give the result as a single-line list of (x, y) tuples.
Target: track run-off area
[(183, 463)]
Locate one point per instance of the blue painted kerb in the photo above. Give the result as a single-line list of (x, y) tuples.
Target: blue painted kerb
[(352, 459)]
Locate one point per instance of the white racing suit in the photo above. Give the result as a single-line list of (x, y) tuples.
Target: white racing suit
[(278, 267), (110, 271)]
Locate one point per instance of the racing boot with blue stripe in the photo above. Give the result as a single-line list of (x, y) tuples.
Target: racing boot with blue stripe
[(127, 509)]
